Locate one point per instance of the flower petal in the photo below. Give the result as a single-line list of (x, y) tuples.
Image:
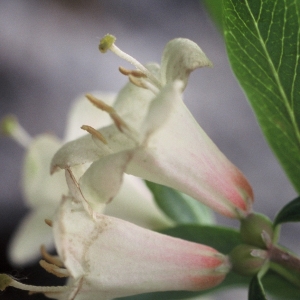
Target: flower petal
[(40, 188), (118, 258), (32, 232), (179, 154), (181, 57), (103, 179), (135, 203), (88, 148)]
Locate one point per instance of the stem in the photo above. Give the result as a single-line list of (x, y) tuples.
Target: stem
[(284, 258), (285, 264)]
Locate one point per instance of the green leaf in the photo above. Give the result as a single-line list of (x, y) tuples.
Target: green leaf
[(256, 290), (221, 238), (279, 287), (215, 8), (289, 213), (262, 38), (180, 207)]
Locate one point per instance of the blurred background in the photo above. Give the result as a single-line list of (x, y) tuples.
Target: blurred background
[(49, 55)]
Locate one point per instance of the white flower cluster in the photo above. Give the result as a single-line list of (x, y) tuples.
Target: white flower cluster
[(146, 132)]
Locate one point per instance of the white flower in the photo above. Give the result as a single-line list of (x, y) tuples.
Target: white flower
[(155, 137), (106, 258), (42, 192)]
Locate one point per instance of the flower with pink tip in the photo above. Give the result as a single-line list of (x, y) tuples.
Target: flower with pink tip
[(155, 137), (106, 258), (42, 192)]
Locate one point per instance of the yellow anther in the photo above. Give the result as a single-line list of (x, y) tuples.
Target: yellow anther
[(106, 42), (94, 133), (53, 269), (136, 81), (55, 260), (48, 222), (100, 104), (135, 73), (109, 109)]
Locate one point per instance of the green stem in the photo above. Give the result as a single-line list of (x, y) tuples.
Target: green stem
[(285, 263)]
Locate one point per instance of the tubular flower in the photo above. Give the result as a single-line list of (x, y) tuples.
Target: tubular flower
[(154, 136), (42, 192), (105, 258)]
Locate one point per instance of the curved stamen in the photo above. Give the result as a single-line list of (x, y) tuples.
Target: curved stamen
[(6, 281)]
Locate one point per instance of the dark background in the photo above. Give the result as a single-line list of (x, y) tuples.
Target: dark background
[(49, 55)]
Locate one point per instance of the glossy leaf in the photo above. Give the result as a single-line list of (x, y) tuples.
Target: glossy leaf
[(289, 213), (180, 207), (262, 38), (256, 290)]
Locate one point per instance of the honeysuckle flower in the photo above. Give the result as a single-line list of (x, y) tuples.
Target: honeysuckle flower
[(154, 136), (42, 192), (105, 258)]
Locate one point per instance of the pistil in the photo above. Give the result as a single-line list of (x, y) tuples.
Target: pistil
[(108, 43)]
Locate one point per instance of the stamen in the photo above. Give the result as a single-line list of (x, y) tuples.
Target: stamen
[(53, 269), (55, 260), (143, 84), (121, 125), (107, 42), (100, 104), (6, 281), (10, 126), (48, 222), (94, 133), (135, 73)]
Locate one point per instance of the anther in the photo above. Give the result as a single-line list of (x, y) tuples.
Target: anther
[(53, 269), (55, 260), (6, 281), (110, 110), (94, 133), (143, 84), (135, 73), (48, 222), (100, 104)]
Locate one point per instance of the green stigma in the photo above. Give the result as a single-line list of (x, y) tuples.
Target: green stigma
[(5, 281), (106, 42), (8, 125)]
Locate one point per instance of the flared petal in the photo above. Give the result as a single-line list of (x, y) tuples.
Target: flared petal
[(103, 179), (181, 57), (39, 187), (32, 232), (89, 148), (179, 154), (117, 258), (135, 203), (83, 112)]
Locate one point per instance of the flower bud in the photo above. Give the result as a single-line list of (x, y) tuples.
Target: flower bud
[(257, 230), (246, 260)]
